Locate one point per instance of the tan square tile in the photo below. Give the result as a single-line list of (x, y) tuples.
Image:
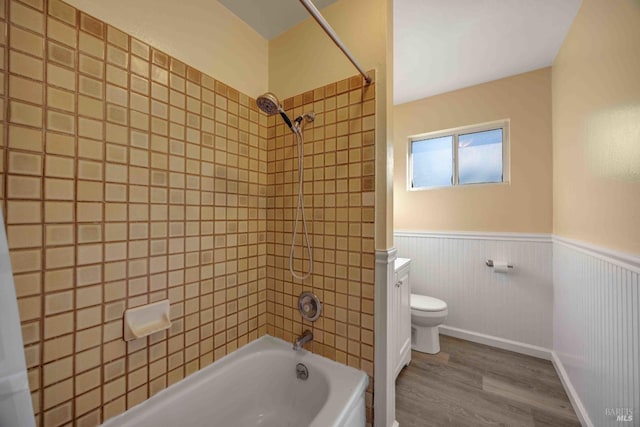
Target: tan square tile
[(58, 212), (91, 107), (91, 87), (88, 275), (59, 415), (117, 76), (58, 189), (117, 57), (160, 59), (139, 48), (24, 163), (89, 254), (88, 338), (90, 419), (29, 308), (115, 369), (62, 11), (58, 280), (89, 191), (139, 66), (89, 170), (58, 325), (62, 33), (27, 139), (91, 66), (92, 26), (117, 114), (22, 187), (116, 153), (26, 65), (61, 99), (60, 167), (31, 332), (26, 17), (92, 45), (24, 212), (59, 235), (90, 128), (88, 317), (115, 193), (87, 359), (25, 114), (59, 257), (26, 41), (89, 233), (90, 149), (57, 371), (140, 85), (117, 95), (24, 236), (61, 55), (115, 232), (61, 77), (118, 38), (89, 212), (58, 393), (60, 122), (178, 67)]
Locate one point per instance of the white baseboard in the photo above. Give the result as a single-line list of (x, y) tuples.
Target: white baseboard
[(505, 344), (395, 423), (578, 407)]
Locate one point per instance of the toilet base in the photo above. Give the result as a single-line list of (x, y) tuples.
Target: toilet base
[(425, 339)]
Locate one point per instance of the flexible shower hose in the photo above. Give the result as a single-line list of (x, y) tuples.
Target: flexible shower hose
[(300, 208)]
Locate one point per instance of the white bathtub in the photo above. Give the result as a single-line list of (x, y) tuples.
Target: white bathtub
[(256, 385)]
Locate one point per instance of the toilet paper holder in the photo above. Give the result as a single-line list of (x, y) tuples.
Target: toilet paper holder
[(489, 263)]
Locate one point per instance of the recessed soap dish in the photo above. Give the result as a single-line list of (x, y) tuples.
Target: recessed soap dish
[(146, 320)]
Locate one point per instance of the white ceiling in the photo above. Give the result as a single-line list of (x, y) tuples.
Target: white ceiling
[(271, 18), (444, 45)]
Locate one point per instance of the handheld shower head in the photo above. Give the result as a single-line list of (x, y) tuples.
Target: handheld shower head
[(268, 103)]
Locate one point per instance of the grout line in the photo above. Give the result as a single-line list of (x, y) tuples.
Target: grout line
[(103, 228), (74, 220)]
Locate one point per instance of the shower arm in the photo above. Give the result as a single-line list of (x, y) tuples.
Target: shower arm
[(331, 33)]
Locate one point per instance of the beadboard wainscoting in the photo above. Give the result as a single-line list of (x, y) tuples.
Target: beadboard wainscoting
[(596, 331), (509, 310)]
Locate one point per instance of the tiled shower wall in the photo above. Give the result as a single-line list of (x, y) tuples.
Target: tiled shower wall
[(127, 177), (339, 198)]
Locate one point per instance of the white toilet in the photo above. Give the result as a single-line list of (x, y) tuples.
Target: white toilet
[(426, 314)]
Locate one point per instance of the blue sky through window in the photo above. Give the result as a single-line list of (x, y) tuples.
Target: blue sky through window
[(480, 157), (432, 162)]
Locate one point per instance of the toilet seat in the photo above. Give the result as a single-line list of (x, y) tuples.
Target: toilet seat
[(425, 303)]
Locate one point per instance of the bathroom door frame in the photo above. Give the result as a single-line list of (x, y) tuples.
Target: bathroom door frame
[(384, 397)]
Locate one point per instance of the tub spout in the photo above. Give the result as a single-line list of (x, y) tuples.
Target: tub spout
[(303, 339)]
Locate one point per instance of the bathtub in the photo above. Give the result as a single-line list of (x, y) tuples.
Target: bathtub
[(257, 385)]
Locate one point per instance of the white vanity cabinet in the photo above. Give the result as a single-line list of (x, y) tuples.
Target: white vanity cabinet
[(401, 314)]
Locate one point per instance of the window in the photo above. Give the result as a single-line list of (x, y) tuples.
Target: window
[(469, 155)]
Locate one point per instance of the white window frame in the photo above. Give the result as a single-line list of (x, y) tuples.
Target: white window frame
[(455, 133)]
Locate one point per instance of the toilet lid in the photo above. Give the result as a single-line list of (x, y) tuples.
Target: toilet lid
[(425, 303)]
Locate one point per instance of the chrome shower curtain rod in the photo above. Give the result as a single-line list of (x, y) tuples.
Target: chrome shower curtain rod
[(313, 10)]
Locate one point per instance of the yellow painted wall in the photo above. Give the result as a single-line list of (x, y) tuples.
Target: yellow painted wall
[(305, 58), (202, 33), (523, 205), (596, 127)]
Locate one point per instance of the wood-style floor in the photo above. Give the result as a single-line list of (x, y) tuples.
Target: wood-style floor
[(469, 384)]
